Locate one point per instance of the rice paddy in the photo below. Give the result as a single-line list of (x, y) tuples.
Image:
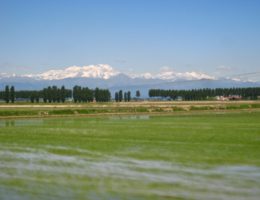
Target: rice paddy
[(193, 156)]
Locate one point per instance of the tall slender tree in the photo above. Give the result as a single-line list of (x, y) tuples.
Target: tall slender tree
[(125, 96), (137, 93), (12, 94), (63, 94), (49, 94), (44, 94), (7, 94), (116, 97), (128, 96), (120, 96), (54, 93), (98, 94)]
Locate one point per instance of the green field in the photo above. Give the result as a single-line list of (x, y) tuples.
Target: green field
[(25, 110), (190, 156)]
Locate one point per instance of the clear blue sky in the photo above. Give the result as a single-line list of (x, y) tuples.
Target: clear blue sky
[(138, 35)]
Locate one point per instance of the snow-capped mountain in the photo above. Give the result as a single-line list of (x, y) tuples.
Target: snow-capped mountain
[(5, 75), (104, 76), (171, 75), (104, 71)]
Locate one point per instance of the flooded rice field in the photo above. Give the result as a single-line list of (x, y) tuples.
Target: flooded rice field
[(91, 159), (36, 173), (21, 122), (37, 122)]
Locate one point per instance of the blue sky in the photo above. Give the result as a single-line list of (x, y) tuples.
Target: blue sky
[(211, 36)]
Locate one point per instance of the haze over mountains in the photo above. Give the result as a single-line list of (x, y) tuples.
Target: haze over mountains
[(104, 76)]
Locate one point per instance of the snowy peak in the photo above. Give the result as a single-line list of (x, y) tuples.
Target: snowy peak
[(105, 72), (172, 75), (102, 71), (104, 76), (5, 75), (169, 74)]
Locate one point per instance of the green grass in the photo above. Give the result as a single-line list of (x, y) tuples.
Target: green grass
[(175, 108), (18, 112), (131, 157), (242, 106), (255, 105), (201, 108), (45, 110)]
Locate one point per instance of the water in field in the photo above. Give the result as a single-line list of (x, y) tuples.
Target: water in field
[(28, 173), (130, 117), (52, 169), (20, 122), (37, 122)]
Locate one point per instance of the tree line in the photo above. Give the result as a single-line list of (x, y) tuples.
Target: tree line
[(126, 96), (8, 95), (120, 96), (204, 94), (85, 94), (54, 94)]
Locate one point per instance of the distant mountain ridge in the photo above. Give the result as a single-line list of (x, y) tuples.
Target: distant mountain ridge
[(104, 71), (104, 76)]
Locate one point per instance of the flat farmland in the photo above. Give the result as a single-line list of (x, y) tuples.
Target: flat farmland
[(196, 155), (143, 107)]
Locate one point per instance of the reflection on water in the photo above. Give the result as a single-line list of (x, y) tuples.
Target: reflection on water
[(64, 122), (130, 117), (21, 122), (39, 171)]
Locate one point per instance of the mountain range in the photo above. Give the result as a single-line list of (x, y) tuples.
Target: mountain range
[(104, 76)]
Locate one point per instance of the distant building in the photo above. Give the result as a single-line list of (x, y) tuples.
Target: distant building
[(22, 99), (160, 98), (234, 97), (222, 98), (228, 98), (69, 99), (179, 98)]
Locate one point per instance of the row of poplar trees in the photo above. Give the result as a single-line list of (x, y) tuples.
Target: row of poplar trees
[(125, 96), (8, 95), (55, 94), (120, 97), (204, 94), (85, 94), (49, 94)]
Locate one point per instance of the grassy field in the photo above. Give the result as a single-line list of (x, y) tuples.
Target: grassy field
[(212, 155), (142, 107)]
